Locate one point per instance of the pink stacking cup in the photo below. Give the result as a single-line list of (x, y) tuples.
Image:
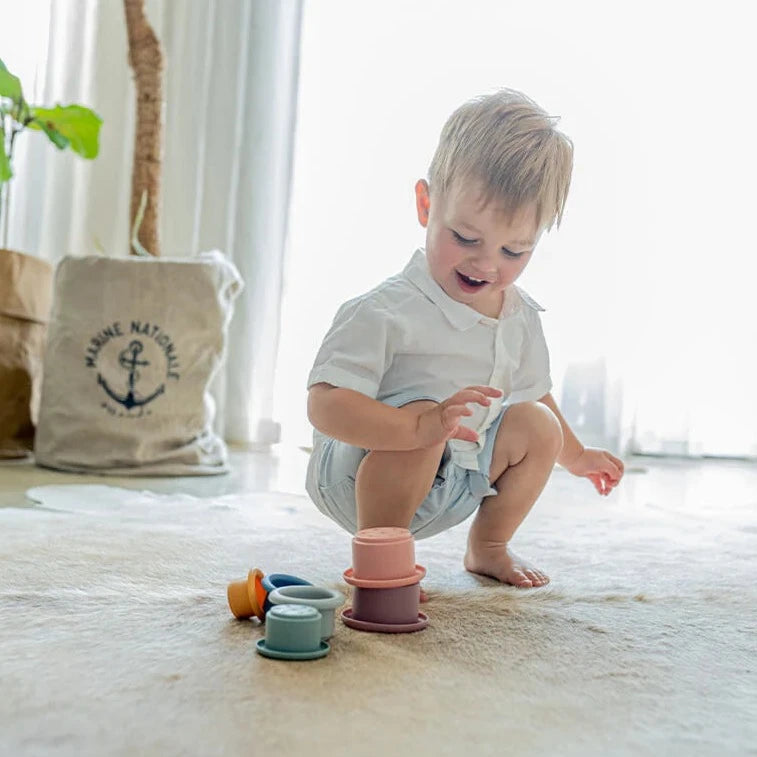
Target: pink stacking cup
[(383, 554), (383, 558)]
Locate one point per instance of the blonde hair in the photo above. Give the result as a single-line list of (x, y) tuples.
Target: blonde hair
[(509, 146)]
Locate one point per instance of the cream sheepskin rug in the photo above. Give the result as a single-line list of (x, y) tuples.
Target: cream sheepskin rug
[(116, 638)]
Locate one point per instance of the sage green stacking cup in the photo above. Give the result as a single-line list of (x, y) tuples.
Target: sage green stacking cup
[(293, 632)]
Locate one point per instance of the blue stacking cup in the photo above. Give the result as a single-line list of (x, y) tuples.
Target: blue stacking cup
[(276, 581), (293, 632), (324, 600)]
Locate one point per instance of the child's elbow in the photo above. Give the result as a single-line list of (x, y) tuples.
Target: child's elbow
[(316, 404)]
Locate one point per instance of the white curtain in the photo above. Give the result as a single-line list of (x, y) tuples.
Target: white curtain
[(649, 283), (230, 86)]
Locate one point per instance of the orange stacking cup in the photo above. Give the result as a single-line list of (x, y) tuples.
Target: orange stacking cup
[(241, 596)]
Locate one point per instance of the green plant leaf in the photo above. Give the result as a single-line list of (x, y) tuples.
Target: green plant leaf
[(10, 86), (52, 133), (5, 166), (80, 126)]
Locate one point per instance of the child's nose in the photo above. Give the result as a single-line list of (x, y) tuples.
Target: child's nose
[(484, 261)]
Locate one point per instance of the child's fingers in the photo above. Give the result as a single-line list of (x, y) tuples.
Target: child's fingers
[(465, 434), (602, 483), (470, 395), (610, 483), (455, 411), (618, 462), (612, 468), (597, 481), (452, 413), (490, 391)]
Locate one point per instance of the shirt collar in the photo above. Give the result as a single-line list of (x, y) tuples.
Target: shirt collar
[(458, 314)]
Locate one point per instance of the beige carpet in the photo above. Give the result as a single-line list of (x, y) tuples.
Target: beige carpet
[(115, 637)]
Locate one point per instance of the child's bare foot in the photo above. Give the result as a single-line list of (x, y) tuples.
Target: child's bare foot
[(424, 596), (498, 561)]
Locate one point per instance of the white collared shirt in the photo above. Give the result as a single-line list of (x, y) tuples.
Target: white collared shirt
[(407, 339)]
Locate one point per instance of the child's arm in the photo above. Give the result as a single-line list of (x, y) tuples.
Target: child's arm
[(571, 446), (599, 466), (357, 419)]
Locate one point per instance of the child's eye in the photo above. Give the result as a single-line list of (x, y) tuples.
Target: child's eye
[(513, 255), (461, 239)]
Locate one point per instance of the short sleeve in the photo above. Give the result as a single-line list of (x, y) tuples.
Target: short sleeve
[(356, 350), (531, 379)]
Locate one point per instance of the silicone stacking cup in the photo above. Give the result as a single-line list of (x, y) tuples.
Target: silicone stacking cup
[(383, 558), (389, 606), (242, 598), (293, 632), (277, 581), (383, 554), (260, 592), (324, 600)]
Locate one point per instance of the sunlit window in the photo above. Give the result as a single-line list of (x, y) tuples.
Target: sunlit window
[(649, 280)]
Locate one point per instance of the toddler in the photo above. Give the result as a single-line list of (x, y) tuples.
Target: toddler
[(430, 395)]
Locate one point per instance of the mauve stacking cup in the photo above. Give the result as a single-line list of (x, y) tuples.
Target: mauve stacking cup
[(399, 605)]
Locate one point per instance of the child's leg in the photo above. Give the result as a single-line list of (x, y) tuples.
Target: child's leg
[(390, 486), (528, 442)]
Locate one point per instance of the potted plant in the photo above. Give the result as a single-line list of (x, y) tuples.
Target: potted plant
[(25, 280)]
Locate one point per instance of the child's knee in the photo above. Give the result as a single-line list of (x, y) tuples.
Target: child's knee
[(547, 429), (544, 430)]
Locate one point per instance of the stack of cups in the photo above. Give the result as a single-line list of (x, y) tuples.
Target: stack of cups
[(386, 582)]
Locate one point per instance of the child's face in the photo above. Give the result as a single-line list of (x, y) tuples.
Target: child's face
[(466, 243)]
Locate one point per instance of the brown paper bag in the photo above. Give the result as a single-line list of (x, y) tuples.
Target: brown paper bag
[(25, 298)]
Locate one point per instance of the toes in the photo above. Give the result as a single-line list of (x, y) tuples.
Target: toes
[(521, 580), (536, 577), (543, 578)]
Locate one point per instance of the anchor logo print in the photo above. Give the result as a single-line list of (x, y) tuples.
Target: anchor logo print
[(135, 362), (129, 360)]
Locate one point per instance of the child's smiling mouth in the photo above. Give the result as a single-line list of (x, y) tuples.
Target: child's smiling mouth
[(468, 283)]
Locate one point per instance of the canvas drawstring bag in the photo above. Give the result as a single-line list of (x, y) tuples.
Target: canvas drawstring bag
[(133, 345)]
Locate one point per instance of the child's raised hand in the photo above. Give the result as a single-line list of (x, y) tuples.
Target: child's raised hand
[(600, 467), (442, 422)]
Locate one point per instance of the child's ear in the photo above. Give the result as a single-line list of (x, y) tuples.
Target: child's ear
[(422, 201)]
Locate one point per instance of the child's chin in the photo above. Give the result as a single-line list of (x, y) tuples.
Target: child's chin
[(459, 296)]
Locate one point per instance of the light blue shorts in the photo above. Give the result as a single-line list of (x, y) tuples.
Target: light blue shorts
[(455, 495)]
